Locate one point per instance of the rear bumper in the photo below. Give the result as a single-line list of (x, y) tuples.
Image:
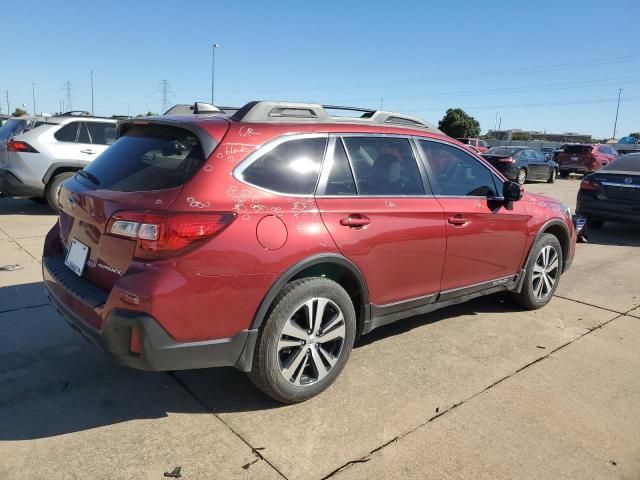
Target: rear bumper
[(575, 169), (12, 186), (510, 171), (604, 212), (72, 295)]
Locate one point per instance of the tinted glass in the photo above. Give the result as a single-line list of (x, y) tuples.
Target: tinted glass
[(83, 135), (11, 128), (340, 180), (578, 149), (626, 163), (102, 133), (384, 166), (68, 133), (292, 167), (456, 173), (502, 151), (148, 158)]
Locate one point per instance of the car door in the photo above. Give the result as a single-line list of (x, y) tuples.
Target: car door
[(101, 135), (86, 150), (382, 216), (67, 148), (485, 237), (541, 165), (532, 164)]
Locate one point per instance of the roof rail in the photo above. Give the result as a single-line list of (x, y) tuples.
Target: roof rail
[(75, 113), (270, 111), (193, 109)]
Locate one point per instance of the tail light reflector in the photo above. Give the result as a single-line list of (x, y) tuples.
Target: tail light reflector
[(161, 235), (18, 146), (135, 343), (507, 160)]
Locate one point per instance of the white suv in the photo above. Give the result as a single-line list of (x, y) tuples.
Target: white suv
[(35, 163)]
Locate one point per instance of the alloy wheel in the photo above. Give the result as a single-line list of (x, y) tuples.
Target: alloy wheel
[(522, 176), (545, 272), (311, 341)]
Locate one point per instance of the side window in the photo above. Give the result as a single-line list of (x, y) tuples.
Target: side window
[(456, 173), (290, 168), (384, 166), (68, 133), (83, 135), (102, 133), (340, 180)]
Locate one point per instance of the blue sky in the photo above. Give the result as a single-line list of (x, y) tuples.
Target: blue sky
[(536, 65)]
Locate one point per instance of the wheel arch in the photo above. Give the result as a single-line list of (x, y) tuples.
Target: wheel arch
[(557, 228), (61, 167), (332, 266)]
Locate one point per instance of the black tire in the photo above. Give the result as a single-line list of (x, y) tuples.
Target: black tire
[(564, 174), (521, 178), (595, 223), (552, 176), (268, 373), (527, 297), (51, 192)]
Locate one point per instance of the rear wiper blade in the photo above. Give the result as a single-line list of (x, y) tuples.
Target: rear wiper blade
[(89, 176)]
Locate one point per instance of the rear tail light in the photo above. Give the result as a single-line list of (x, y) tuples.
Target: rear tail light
[(18, 146), (588, 184), (507, 160), (162, 235)]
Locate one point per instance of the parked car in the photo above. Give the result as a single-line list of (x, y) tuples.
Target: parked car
[(480, 145), (612, 193), (271, 239), (584, 158), (548, 152), (34, 163), (522, 163)]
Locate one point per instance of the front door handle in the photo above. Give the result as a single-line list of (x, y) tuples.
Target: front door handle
[(458, 220), (87, 151), (354, 221)]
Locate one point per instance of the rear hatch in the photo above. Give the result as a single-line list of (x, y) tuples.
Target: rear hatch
[(576, 156), (499, 157), (143, 171), (620, 183)]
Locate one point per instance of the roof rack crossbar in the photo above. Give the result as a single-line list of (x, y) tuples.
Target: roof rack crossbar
[(270, 111)]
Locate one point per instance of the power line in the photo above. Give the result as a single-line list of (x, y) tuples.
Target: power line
[(166, 92), (68, 106)]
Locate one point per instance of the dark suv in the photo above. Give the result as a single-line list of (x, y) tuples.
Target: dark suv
[(272, 239)]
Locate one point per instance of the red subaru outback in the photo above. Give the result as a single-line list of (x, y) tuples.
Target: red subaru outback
[(272, 239)]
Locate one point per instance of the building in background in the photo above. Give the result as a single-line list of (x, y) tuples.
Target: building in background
[(528, 135)]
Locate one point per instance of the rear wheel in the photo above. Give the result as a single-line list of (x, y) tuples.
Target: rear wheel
[(53, 187), (595, 223), (522, 176), (564, 174), (306, 340), (542, 273), (552, 176)]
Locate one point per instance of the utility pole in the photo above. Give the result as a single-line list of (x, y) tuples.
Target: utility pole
[(213, 71), (8, 108), (68, 87), (164, 96), (33, 93), (615, 124), (91, 92)]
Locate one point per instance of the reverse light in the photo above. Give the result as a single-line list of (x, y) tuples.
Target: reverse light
[(18, 146), (161, 235)]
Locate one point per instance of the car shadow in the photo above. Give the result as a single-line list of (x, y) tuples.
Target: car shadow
[(24, 206), (615, 234), (53, 382)]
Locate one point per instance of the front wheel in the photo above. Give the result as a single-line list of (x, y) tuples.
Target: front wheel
[(552, 176), (542, 273), (306, 340)]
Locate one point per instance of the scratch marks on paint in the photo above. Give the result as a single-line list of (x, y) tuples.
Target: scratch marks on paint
[(208, 168), (247, 132), (307, 218), (390, 204), (240, 199), (193, 203)]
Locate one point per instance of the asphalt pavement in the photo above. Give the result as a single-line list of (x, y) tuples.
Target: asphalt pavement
[(479, 390)]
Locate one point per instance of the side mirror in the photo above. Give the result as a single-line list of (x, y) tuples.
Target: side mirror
[(512, 192)]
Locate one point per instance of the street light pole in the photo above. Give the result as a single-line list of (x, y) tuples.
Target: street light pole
[(213, 71), (33, 93), (615, 124), (91, 92)]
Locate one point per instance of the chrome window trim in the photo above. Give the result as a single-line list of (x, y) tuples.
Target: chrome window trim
[(624, 185), (270, 145)]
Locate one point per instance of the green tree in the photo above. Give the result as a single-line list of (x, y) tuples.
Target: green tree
[(457, 124), (18, 112), (148, 114), (635, 135)]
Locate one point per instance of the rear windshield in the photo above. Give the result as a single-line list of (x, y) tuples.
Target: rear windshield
[(502, 151), (11, 128), (578, 149), (148, 157), (626, 163)]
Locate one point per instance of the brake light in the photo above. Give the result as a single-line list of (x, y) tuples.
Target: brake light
[(18, 146), (507, 160), (587, 184), (162, 235)]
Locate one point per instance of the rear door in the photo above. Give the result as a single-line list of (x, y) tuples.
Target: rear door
[(537, 164), (101, 135), (376, 205), (485, 240), (577, 156), (66, 147)]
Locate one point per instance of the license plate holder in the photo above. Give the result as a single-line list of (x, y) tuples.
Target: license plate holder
[(76, 258)]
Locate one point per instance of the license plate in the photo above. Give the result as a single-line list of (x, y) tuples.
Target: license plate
[(77, 256), (574, 158)]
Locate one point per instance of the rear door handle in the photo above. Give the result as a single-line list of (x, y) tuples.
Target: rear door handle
[(87, 151), (355, 220), (458, 220)]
